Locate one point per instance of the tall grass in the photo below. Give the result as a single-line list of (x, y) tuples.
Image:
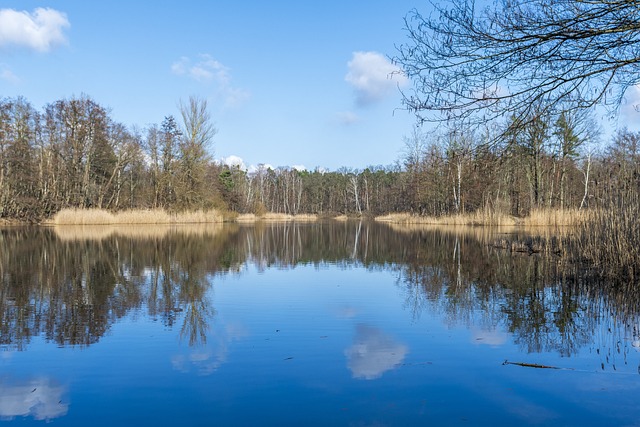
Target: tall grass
[(275, 217), (609, 240), (158, 216), (556, 218), (153, 216), (539, 217), (475, 218)]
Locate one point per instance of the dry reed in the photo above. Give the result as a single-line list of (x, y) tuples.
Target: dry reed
[(247, 218), (537, 218), (475, 218), (610, 241), (155, 216), (556, 218), (275, 217)]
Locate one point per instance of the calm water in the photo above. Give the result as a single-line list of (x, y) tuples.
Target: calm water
[(342, 324)]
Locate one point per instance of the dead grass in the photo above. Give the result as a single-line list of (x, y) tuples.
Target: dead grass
[(155, 216), (247, 218), (556, 218), (275, 217), (609, 240), (158, 216), (537, 218), (476, 218)]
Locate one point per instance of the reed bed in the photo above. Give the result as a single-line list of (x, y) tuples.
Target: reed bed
[(537, 218), (475, 218), (556, 218), (153, 216), (275, 217), (609, 241), (247, 218)]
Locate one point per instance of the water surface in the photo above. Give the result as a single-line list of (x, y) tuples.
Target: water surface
[(349, 324)]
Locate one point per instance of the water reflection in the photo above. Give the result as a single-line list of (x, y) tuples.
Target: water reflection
[(70, 285), (41, 399), (373, 353), (206, 358)]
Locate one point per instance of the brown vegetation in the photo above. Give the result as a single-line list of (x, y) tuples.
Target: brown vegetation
[(475, 218), (611, 243), (538, 173), (274, 217), (155, 216)]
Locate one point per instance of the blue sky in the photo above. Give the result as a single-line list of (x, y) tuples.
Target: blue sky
[(288, 83)]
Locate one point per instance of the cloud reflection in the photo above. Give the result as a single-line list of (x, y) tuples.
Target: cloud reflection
[(38, 399), (493, 338), (207, 358), (373, 353)]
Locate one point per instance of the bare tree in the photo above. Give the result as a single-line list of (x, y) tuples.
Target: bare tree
[(517, 55), (194, 149)]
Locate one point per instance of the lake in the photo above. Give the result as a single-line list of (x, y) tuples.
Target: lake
[(328, 323)]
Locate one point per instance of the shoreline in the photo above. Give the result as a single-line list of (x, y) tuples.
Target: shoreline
[(541, 218)]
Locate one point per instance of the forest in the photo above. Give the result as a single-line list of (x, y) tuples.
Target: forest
[(72, 154)]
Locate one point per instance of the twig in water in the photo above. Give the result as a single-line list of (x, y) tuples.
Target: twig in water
[(533, 365)]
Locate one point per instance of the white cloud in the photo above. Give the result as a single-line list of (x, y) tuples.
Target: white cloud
[(203, 70), (347, 118), (630, 109), (209, 71), (40, 30), (7, 75), (38, 399), (234, 162), (262, 167), (299, 168), (373, 77), (373, 353)]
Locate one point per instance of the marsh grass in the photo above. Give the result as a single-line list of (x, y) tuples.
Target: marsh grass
[(158, 216), (131, 217), (537, 218), (250, 218), (556, 218), (476, 218), (609, 240)]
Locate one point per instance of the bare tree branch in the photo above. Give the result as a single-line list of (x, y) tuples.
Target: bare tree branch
[(517, 55)]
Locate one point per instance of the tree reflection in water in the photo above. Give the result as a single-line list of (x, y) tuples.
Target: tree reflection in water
[(71, 285)]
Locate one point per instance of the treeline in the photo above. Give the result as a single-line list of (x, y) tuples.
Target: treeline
[(73, 154)]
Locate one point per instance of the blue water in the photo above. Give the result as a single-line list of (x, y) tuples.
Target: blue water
[(317, 340)]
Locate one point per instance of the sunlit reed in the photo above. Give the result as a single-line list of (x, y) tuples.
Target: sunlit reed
[(152, 216), (275, 217)]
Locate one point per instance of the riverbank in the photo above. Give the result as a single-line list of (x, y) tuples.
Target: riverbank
[(159, 216), (537, 218)]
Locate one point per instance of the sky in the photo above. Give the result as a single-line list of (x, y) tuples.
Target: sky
[(288, 83)]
